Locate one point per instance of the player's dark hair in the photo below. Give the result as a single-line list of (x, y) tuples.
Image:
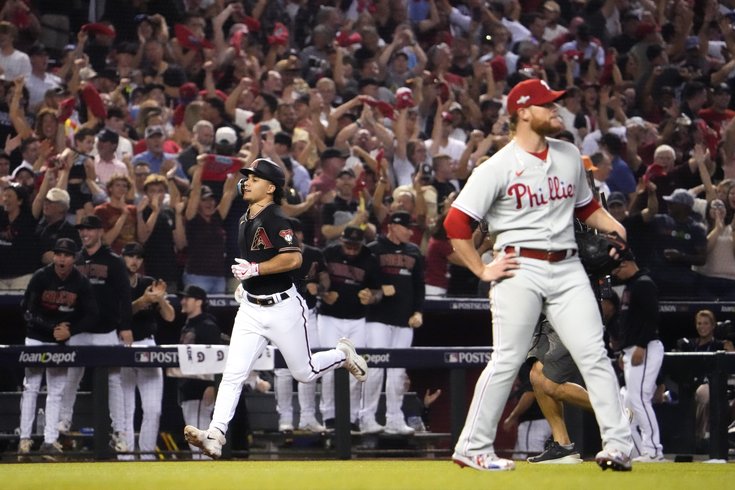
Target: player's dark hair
[(278, 195), (513, 123)]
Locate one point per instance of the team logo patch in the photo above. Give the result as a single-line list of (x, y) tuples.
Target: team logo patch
[(261, 240), (523, 99), (287, 235)]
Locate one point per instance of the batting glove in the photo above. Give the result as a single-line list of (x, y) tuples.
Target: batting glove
[(243, 269)]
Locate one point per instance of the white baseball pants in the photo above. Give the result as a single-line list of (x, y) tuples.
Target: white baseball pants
[(383, 335), (331, 329), (198, 414), (149, 382), (562, 291), (532, 435), (640, 383), (283, 385), (55, 380), (74, 376), (284, 324)]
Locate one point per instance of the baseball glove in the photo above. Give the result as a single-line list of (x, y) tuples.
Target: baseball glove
[(594, 252)]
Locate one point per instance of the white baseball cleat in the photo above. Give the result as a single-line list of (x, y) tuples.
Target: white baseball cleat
[(354, 363), (613, 459), (312, 426), (285, 427), (398, 427), (370, 426), (209, 441), (483, 462)]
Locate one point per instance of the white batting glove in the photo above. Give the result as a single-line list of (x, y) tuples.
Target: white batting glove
[(243, 269)]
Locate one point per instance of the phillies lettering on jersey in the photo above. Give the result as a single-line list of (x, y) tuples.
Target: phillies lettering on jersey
[(556, 190)]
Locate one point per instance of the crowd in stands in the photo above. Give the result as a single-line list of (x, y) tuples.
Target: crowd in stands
[(142, 112)]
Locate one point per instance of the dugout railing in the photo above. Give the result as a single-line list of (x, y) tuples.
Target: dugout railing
[(457, 360)]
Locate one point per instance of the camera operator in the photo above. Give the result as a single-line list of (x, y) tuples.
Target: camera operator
[(711, 337)]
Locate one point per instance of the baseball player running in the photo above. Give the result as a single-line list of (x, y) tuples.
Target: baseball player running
[(529, 193), (271, 308)]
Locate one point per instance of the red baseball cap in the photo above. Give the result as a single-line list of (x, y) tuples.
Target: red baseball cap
[(189, 40), (99, 28), (531, 92)]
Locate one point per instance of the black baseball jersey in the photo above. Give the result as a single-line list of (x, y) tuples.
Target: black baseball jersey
[(50, 300), (145, 321), (260, 239), (109, 278), (201, 329), (401, 266), (348, 275), (638, 319), (311, 265)]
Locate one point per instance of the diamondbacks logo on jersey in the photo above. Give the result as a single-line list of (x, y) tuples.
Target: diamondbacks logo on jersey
[(287, 235), (261, 240)]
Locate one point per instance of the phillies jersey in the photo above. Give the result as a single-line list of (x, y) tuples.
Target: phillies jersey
[(260, 239), (528, 201)]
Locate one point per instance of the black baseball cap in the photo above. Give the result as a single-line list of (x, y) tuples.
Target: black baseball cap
[(400, 218), (133, 248), (66, 246), (206, 192), (266, 169), (192, 291), (333, 152), (353, 234), (108, 135), (90, 222)]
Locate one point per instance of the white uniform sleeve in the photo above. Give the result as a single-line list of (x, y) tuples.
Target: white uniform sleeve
[(482, 189)]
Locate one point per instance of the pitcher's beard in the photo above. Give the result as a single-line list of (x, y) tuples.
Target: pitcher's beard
[(545, 127)]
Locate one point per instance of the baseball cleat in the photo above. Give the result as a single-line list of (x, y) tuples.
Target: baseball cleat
[(370, 426), (118, 442), (355, 364), (285, 427), (555, 453), (51, 451), (312, 426), (24, 450), (483, 462), (648, 459), (209, 441), (398, 427), (613, 459)]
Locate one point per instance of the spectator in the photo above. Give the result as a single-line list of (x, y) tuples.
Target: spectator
[(58, 303), (621, 177), (206, 235), (718, 114), (201, 143), (443, 179), (149, 303), (53, 224), (119, 219), (19, 253), (345, 210), (705, 341), (159, 161), (13, 63), (39, 80), (716, 278), (161, 229), (679, 243), (106, 163)]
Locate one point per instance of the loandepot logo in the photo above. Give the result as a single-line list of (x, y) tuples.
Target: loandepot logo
[(467, 357), (376, 358), (48, 357)]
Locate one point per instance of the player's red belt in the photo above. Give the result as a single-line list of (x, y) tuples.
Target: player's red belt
[(267, 300), (548, 255)]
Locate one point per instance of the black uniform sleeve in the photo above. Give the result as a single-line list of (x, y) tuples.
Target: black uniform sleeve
[(33, 314), (282, 235), (645, 294)]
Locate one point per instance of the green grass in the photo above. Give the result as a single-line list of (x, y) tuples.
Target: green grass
[(359, 474)]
